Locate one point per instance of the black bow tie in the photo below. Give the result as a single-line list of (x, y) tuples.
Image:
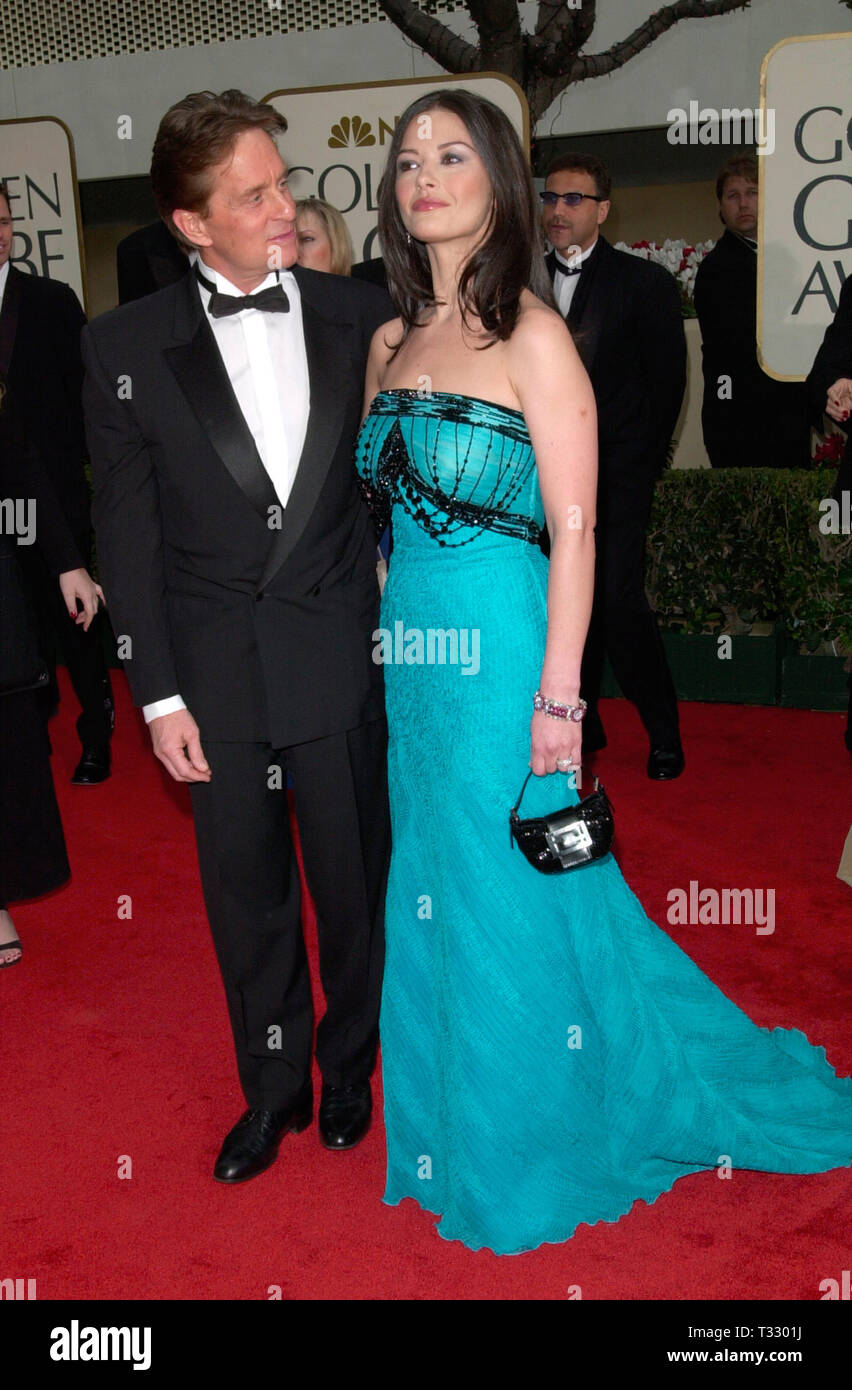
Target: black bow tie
[(566, 269), (272, 300)]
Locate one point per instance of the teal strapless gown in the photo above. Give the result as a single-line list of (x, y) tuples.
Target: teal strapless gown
[(549, 1054)]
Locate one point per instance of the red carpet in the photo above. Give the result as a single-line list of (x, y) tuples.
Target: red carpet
[(116, 1046)]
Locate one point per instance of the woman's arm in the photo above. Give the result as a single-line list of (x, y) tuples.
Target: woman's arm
[(559, 407), (377, 359)]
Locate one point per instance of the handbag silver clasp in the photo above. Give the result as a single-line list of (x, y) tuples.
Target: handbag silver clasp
[(570, 843)]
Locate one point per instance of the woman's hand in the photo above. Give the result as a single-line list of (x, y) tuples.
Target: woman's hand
[(839, 400), (79, 584), (552, 741)]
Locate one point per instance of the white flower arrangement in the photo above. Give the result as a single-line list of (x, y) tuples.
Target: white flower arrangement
[(681, 258)]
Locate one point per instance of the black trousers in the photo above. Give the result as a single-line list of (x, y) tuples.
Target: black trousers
[(33, 858), (250, 880), (83, 653), (623, 626), (770, 441)]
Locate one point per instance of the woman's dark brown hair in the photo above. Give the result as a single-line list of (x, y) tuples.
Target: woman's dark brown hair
[(510, 258), (195, 135)]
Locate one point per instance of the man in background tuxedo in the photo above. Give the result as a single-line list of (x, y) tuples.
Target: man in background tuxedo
[(40, 323), (148, 260), (626, 318), (749, 419), (239, 559)]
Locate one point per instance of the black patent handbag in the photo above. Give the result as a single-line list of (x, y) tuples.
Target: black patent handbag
[(567, 839)]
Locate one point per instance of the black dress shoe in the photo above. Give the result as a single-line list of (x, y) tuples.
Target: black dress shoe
[(253, 1143), (344, 1115), (93, 767), (666, 762)]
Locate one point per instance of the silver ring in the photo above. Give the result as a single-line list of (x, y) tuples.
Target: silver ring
[(564, 763)]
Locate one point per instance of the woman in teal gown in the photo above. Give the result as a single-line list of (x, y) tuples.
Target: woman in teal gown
[(549, 1055)]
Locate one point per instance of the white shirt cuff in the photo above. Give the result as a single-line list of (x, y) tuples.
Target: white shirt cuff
[(160, 707)]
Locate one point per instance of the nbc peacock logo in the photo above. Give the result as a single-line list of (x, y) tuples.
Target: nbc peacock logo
[(350, 131)]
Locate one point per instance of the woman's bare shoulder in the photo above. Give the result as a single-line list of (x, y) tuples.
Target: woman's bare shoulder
[(536, 316), (539, 333)]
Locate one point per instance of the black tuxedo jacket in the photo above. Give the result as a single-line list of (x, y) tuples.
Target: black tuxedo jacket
[(833, 361), (40, 325), (764, 422), (265, 631), (147, 260), (628, 328)]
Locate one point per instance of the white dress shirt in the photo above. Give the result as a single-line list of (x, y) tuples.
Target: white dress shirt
[(265, 358), (4, 275), (564, 286)]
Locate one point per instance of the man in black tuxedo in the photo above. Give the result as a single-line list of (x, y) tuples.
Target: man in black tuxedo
[(148, 260), (40, 323), (239, 559), (749, 419), (625, 315)]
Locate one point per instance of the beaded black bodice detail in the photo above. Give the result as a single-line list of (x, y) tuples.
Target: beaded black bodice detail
[(458, 465)]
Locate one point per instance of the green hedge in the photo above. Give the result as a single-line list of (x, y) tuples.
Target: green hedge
[(729, 547)]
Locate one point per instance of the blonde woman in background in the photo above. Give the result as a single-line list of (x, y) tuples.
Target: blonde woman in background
[(323, 237)]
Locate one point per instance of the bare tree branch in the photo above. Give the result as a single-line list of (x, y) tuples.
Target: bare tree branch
[(501, 42), (596, 65), (548, 61), (434, 38), (555, 18)]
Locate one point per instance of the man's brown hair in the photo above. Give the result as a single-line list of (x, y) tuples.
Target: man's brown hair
[(194, 135), (5, 194), (586, 164), (739, 166)]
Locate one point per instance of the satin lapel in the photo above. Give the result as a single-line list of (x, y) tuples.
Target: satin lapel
[(9, 317), (587, 306), (328, 346), (200, 371)]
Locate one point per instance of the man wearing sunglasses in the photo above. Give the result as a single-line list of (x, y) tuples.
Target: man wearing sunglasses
[(625, 315)]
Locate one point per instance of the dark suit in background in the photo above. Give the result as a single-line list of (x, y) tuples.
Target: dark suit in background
[(147, 260), (834, 360), (763, 423), (372, 270), (266, 633), (626, 319), (40, 324), (33, 858)]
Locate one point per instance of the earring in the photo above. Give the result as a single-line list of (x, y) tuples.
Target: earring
[(408, 238)]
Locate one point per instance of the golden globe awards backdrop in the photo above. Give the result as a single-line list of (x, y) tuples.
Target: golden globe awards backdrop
[(38, 169), (337, 139), (805, 225)]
